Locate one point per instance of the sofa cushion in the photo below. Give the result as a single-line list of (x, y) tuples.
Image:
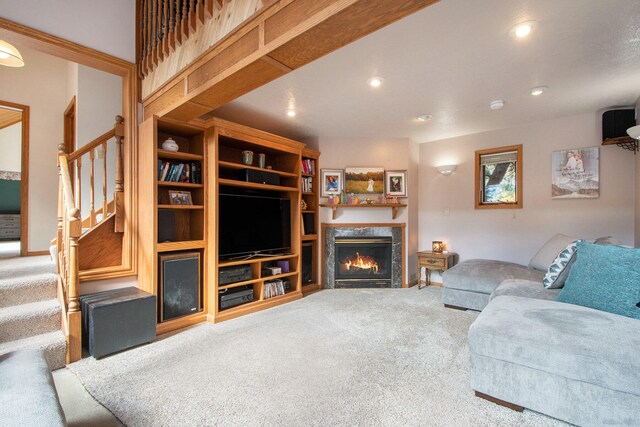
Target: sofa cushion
[(524, 288), (484, 275), (28, 396), (606, 278), (570, 341), (549, 251), (560, 267)]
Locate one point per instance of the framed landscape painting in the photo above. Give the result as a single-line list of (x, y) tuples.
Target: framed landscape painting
[(575, 173), (395, 183), (369, 181)]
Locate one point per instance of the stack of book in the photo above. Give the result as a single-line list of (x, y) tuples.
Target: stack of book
[(179, 172)]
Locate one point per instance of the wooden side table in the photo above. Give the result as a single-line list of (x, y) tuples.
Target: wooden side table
[(433, 261)]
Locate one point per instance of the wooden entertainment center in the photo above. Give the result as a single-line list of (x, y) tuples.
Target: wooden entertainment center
[(169, 224)]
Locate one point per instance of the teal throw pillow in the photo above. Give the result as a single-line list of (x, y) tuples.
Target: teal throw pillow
[(560, 267), (606, 278)]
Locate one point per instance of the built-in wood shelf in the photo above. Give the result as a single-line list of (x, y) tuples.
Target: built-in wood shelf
[(180, 207), (393, 206), (255, 260), (178, 155), (179, 184), (231, 165), (308, 237), (243, 184), (181, 246)]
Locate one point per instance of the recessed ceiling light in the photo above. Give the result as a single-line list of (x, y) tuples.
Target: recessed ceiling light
[(291, 113), (523, 29), (498, 104), (537, 91), (375, 81), (423, 117)]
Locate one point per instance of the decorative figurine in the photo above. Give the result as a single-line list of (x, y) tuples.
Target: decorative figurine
[(170, 145)]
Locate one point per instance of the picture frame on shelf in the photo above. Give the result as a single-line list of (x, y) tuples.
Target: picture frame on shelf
[(395, 183), (364, 180), (179, 197), (332, 182)]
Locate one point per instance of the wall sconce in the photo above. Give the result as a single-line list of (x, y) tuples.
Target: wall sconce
[(9, 55), (634, 132), (437, 246), (446, 169)]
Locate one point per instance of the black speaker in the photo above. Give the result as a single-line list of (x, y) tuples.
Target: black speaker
[(307, 263), (179, 285), (616, 122), (261, 177), (166, 225)]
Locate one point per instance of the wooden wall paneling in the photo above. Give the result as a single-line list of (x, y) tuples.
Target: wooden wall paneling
[(100, 247), (295, 33), (147, 227)]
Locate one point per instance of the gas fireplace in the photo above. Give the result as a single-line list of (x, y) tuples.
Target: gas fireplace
[(363, 262)]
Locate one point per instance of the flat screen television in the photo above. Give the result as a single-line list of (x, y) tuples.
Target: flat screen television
[(251, 224)]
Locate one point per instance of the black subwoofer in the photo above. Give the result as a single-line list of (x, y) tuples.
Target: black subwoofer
[(179, 285)]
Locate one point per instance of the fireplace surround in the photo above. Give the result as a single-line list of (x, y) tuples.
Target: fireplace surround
[(363, 255)]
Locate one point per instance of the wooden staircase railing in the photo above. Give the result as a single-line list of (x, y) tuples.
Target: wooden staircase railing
[(68, 233), (70, 223), (165, 24), (75, 162)]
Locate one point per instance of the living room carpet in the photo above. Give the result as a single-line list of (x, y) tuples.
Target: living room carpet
[(337, 357)]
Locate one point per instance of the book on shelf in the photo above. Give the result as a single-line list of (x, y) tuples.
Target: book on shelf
[(307, 184), (309, 166), (179, 172), (276, 288)]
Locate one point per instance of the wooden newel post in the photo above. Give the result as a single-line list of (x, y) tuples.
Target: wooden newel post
[(118, 197), (74, 315)]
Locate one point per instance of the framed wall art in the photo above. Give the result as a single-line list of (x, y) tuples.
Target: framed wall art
[(368, 181), (395, 183)]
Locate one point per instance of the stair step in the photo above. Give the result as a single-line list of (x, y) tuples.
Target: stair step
[(25, 289), (54, 345), (22, 321), (25, 266)]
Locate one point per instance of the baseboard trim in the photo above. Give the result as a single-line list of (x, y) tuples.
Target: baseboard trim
[(37, 253), (509, 405)]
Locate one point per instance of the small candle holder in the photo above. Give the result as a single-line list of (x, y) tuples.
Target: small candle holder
[(437, 246)]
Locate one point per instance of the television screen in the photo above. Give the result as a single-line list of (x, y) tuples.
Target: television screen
[(250, 223)]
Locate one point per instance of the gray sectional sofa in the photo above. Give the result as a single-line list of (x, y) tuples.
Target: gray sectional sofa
[(527, 350)]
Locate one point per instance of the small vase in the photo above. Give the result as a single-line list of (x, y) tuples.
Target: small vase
[(170, 145), (247, 157)]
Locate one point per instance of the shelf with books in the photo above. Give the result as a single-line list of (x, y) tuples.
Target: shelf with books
[(309, 219)]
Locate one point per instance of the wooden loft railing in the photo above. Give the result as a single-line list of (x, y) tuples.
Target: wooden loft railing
[(165, 24)]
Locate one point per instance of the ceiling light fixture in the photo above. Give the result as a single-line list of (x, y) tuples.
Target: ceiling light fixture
[(423, 117), (498, 104), (291, 113), (9, 55), (523, 29), (375, 81), (537, 91)]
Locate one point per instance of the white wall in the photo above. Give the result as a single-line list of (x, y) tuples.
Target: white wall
[(391, 154), (99, 100), (516, 234), (107, 26), (11, 148), (47, 102)]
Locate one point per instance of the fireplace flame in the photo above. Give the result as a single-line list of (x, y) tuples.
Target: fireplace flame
[(361, 263)]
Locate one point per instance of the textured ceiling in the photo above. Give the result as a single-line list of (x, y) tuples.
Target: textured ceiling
[(450, 60)]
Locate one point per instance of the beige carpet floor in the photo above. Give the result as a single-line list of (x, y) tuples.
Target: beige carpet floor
[(375, 357)]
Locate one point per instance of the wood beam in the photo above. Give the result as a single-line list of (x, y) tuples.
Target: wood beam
[(282, 37)]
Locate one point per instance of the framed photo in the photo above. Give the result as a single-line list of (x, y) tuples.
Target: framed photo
[(575, 173), (177, 197), (395, 183), (332, 182), (368, 181)]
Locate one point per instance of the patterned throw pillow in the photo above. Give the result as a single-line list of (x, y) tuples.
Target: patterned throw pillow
[(560, 267)]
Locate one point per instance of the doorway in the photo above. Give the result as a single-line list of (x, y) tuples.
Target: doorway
[(14, 179)]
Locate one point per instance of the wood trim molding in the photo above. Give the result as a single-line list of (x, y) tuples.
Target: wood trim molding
[(519, 168), (24, 176), (24, 36)]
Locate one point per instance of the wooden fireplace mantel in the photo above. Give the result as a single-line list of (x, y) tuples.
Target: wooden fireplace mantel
[(394, 207)]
